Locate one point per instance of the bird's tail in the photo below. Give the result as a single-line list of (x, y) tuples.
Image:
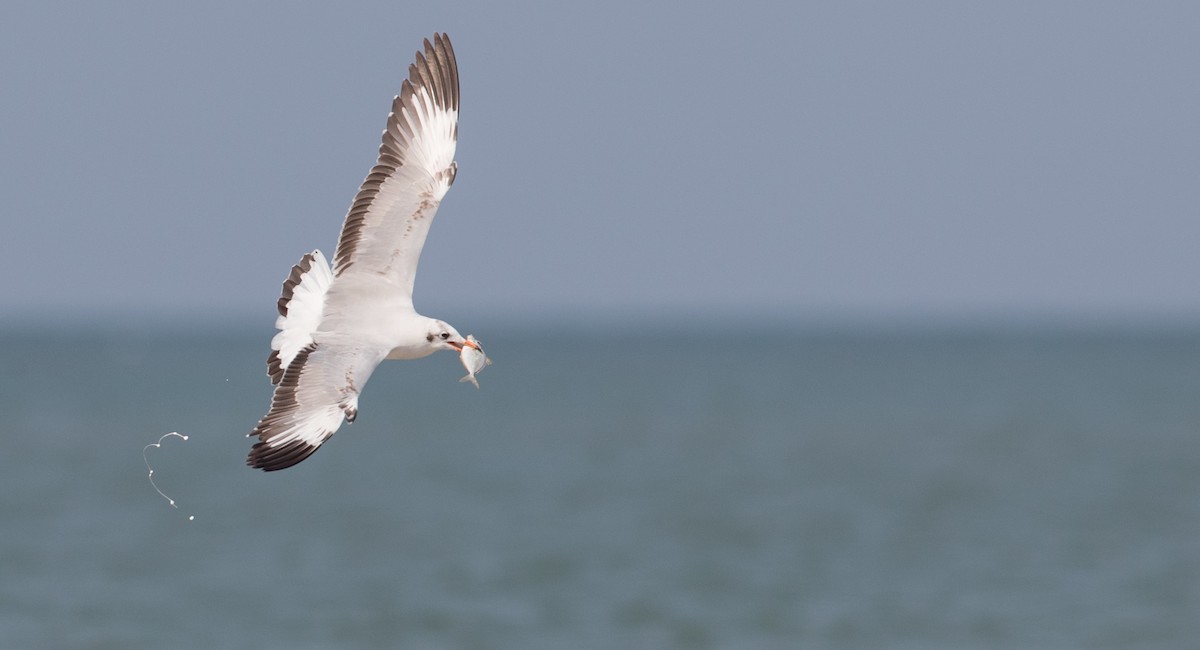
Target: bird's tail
[(300, 307)]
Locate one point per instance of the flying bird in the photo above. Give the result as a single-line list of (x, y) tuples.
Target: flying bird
[(337, 323)]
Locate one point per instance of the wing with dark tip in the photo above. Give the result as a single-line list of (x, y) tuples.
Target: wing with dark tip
[(318, 390), (386, 226)]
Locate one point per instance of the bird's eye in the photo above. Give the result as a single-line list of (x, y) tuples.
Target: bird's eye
[(445, 335)]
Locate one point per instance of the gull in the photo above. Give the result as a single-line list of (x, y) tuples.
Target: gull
[(337, 323)]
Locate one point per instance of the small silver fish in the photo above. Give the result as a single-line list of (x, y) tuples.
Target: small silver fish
[(473, 359)]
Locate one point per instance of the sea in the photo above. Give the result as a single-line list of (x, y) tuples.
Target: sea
[(667, 487)]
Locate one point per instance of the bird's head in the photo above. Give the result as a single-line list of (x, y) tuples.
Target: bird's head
[(443, 337)]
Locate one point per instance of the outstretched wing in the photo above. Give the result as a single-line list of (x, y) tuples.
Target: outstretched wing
[(319, 389), (386, 227)]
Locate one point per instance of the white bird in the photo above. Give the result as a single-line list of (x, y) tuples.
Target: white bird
[(337, 324)]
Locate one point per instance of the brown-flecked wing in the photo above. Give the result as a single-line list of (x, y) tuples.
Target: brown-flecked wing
[(387, 224), (318, 390)]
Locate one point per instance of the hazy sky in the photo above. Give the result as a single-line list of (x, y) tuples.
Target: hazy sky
[(880, 159)]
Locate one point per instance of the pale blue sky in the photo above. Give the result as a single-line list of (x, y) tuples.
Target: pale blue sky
[(880, 159)]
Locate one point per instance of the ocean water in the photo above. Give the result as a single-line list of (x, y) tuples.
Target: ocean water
[(806, 489)]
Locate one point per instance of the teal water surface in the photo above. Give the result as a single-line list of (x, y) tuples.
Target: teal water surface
[(1003, 489)]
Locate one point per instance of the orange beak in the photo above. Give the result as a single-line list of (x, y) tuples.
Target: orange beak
[(464, 344)]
